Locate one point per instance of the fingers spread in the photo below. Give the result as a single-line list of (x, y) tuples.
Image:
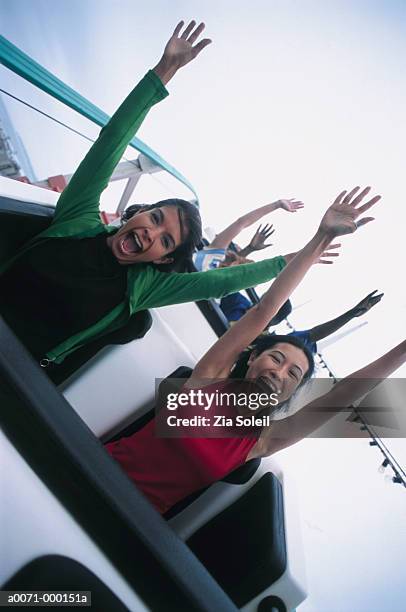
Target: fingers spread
[(201, 45), (194, 35), (364, 221), (188, 30), (178, 29), (339, 198), (267, 230), (368, 204), (350, 195), (360, 196)]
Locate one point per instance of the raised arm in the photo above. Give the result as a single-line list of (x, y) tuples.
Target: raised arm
[(294, 428), (223, 239), (326, 329), (81, 197), (162, 289), (258, 241), (339, 219), (180, 50)]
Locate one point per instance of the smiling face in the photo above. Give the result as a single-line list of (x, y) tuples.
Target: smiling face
[(280, 369), (149, 236)]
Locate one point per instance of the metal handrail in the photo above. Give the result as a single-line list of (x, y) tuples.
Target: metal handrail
[(20, 63)]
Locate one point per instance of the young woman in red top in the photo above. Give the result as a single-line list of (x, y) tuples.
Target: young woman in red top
[(169, 469)]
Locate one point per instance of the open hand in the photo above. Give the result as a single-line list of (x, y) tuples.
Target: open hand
[(366, 304), (260, 237), (180, 48), (341, 217), (233, 259), (291, 205), (327, 257)]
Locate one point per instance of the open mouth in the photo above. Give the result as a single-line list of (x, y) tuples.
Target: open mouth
[(268, 384), (131, 244)]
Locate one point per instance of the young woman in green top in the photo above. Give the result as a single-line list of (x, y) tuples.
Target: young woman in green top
[(79, 280)]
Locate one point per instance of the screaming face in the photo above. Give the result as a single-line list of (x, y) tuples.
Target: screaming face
[(148, 236), (279, 370)]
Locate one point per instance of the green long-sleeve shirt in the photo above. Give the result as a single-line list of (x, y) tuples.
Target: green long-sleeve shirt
[(77, 217)]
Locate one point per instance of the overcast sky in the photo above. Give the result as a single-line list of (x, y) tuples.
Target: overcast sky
[(293, 98)]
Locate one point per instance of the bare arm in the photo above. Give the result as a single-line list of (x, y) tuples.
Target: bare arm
[(294, 428), (325, 257), (219, 359), (329, 327), (258, 241), (326, 329), (223, 239), (338, 220)]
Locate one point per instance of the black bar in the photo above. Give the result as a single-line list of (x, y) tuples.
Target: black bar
[(72, 463)]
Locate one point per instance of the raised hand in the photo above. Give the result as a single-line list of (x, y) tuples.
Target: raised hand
[(327, 257), (180, 49), (258, 240), (233, 259), (366, 304), (291, 205), (340, 218)]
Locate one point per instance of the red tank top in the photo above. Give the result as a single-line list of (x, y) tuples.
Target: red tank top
[(167, 470)]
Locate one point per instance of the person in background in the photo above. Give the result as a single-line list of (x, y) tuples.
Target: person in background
[(235, 308), (79, 281), (169, 468), (222, 252), (310, 337), (212, 255), (236, 304)]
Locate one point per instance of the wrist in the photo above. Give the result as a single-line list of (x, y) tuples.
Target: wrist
[(288, 257), (166, 69), (318, 245), (353, 312), (273, 206), (245, 251), (323, 237)]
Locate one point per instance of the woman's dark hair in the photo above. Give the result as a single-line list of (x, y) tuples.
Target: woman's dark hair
[(266, 342), (190, 219), (283, 312)]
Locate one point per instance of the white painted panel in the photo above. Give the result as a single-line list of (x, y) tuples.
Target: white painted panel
[(34, 523), (9, 188), (190, 326), (120, 381)]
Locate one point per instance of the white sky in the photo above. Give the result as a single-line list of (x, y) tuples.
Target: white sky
[(293, 98)]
